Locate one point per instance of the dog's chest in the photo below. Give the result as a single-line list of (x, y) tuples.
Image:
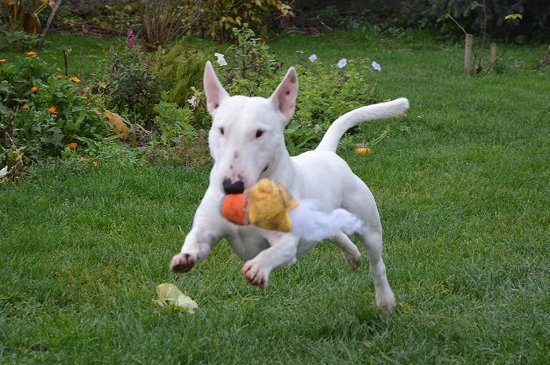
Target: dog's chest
[(247, 241)]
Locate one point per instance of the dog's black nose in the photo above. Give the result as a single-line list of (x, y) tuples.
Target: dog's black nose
[(235, 187)]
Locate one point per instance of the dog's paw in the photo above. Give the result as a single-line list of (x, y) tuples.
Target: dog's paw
[(385, 301), (182, 262), (353, 258), (255, 275)]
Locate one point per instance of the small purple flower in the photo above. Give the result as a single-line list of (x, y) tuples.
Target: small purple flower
[(342, 63), (376, 66), (313, 58), (131, 38), (142, 148)]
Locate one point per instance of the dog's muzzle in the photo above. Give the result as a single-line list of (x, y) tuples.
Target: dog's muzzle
[(233, 187)]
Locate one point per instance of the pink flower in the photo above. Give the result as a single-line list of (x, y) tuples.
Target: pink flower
[(342, 63), (131, 38)]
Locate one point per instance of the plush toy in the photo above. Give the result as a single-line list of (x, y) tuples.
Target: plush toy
[(267, 206)]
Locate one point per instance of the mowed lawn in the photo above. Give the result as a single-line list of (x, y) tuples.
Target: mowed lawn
[(462, 185)]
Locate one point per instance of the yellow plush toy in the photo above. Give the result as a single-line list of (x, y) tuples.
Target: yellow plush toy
[(266, 206)]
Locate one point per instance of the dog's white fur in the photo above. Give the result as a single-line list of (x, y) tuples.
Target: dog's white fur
[(247, 143)]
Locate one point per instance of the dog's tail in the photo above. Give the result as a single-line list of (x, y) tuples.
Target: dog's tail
[(371, 112)]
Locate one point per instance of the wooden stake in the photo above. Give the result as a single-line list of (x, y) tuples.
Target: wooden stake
[(48, 23), (492, 57), (468, 48)]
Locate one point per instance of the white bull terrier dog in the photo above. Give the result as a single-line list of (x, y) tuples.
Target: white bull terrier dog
[(247, 143)]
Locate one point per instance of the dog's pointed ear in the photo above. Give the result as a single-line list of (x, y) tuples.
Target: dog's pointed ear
[(284, 97), (215, 93)]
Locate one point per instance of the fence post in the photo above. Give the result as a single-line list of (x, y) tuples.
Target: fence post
[(468, 54)]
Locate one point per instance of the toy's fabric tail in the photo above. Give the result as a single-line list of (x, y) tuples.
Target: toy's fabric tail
[(371, 112), (312, 224)]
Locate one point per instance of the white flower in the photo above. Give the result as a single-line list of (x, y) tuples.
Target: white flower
[(193, 102), (342, 63), (221, 59), (313, 57), (4, 172), (376, 66)]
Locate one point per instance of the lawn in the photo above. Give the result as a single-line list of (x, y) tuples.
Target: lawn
[(462, 185)]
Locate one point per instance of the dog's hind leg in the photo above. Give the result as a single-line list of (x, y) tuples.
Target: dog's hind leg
[(349, 250), (360, 201)]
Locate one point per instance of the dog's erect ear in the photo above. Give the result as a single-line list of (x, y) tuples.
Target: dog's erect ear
[(284, 97), (215, 93)]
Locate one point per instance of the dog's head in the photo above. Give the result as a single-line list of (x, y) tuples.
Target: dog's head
[(246, 139)]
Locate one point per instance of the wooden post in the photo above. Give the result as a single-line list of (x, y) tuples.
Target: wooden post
[(492, 57), (468, 48), (48, 23)]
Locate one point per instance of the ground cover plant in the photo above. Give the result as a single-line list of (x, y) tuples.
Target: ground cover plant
[(462, 187)]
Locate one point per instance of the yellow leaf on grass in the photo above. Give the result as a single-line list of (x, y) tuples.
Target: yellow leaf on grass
[(118, 124), (170, 297)]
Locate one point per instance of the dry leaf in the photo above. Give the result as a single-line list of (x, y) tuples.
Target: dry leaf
[(170, 297)]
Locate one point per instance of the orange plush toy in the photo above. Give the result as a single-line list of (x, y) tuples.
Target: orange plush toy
[(266, 206)]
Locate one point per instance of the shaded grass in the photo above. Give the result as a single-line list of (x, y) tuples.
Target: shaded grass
[(462, 187)]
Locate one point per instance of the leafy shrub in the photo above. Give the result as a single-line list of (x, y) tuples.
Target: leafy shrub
[(131, 84), (165, 20), (17, 40), (224, 15), (250, 66), (173, 123), (41, 112), (180, 69), (327, 92), (476, 16)]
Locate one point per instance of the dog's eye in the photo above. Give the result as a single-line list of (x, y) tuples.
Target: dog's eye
[(259, 133), (222, 131)]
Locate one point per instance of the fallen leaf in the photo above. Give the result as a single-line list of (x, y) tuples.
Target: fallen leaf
[(170, 297)]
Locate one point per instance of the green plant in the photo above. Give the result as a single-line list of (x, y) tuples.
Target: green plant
[(317, 107), (248, 68), (180, 69), (258, 15), (42, 112), (131, 85), (17, 40), (173, 122), (165, 20)]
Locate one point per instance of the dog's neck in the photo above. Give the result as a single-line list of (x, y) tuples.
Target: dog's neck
[(284, 171)]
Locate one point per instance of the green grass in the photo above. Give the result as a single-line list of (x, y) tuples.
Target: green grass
[(85, 54), (462, 185)]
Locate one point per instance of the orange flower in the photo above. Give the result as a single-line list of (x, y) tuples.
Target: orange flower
[(94, 163), (72, 145), (363, 150), (108, 115), (31, 54), (74, 79), (25, 107), (52, 109), (83, 159), (59, 77), (3, 60), (98, 112), (34, 89)]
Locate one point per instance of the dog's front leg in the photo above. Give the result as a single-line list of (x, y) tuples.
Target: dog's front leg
[(205, 234), (282, 253)]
